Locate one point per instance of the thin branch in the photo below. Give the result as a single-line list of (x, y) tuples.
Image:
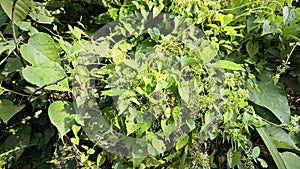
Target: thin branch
[(291, 52), (14, 92), (14, 32), (46, 85)]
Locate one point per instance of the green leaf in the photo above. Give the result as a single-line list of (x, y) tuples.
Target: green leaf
[(60, 116), (289, 15), (225, 64), (23, 25), (43, 75), (290, 159), (82, 75), (233, 157), (271, 147), (159, 145), (224, 19), (167, 126), (131, 63), (184, 90), (100, 159), (76, 32), (267, 28), (40, 18), (263, 163), (22, 8), (231, 31), (40, 49), (280, 138), (207, 52), (273, 98), (183, 140), (8, 109), (157, 9), (12, 65), (255, 152), (252, 48)]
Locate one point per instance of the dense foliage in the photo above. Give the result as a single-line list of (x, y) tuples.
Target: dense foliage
[(254, 44)]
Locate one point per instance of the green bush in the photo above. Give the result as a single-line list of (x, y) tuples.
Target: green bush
[(225, 72)]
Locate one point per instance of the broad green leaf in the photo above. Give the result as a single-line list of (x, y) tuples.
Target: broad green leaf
[(271, 147), (40, 49), (207, 52), (131, 63), (280, 138), (43, 75), (23, 25), (252, 48), (82, 75), (22, 8), (233, 157), (60, 116), (183, 140), (231, 31), (130, 127), (289, 15), (255, 152), (290, 159), (225, 64), (251, 23), (76, 32), (267, 28), (224, 19), (159, 145), (40, 18), (273, 98), (209, 126), (26, 26), (100, 49), (12, 65), (167, 126), (184, 91), (8, 109), (100, 159)]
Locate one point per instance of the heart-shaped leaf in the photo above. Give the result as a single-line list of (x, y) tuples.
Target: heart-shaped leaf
[(289, 15), (8, 109), (252, 48), (40, 49), (60, 116), (43, 75)]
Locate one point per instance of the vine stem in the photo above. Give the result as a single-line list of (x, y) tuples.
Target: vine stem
[(289, 55), (46, 85), (14, 32)]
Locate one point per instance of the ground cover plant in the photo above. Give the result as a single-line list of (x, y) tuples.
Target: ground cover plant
[(207, 84)]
